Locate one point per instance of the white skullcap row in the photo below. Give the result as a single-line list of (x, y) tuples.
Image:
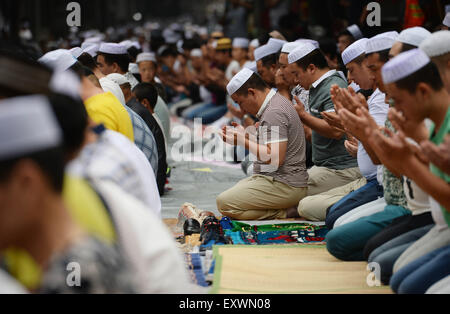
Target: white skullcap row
[(446, 20), (92, 50), (413, 36), (238, 80), (251, 65), (354, 50), (273, 46), (58, 60), (301, 52), (196, 52), (381, 42), (27, 125), (240, 42), (315, 43), (355, 31), (128, 44), (254, 43), (145, 56), (117, 78), (76, 52), (113, 49), (437, 44), (289, 47), (404, 65)]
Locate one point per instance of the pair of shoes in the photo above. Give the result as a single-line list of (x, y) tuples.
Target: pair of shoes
[(191, 226), (212, 230)]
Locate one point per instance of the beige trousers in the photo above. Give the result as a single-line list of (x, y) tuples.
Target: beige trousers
[(315, 207), (259, 197), (322, 179)]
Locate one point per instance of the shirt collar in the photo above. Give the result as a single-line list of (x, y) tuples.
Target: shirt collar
[(266, 101), (326, 75)]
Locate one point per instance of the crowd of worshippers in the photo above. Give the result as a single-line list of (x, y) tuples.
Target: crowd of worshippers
[(360, 142)]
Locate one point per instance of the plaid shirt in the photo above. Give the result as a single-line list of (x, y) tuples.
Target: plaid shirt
[(144, 139)]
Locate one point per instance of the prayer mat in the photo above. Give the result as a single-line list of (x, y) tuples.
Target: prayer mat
[(195, 269), (290, 269), (240, 226), (310, 235)]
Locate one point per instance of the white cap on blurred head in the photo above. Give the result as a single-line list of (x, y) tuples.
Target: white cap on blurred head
[(301, 52), (240, 42), (76, 52), (354, 50), (403, 65), (27, 125), (113, 49), (289, 47), (381, 42), (254, 43), (315, 43), (355, 31), (67, 83), (437, 44), (58, 60), (238, 80), (413, 36), (196, 52), (145, 56), (446, 20), (92, 50), (266, 50), (251, 65)]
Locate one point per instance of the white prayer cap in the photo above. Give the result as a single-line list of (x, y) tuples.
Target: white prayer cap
[(133, 68), (126, 43), (113, 49), (381, 42), (27, 125), (446, 20), (289, 47), (355, 31), (145, 56), (238, 80), (413, 36), (251, 65), (196, 52), (94, 40), (240, 42), (92, 50), (403, 65), (276, 42), (67, 83), (254, 43), (76, 52), (315, 43), (58, 60), (437, 44), (117, 78), (161, 49), (301, 52), (354, 50), (270, 48)]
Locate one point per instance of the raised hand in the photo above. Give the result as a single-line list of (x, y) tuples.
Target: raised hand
[(438, 155), (417, 131)]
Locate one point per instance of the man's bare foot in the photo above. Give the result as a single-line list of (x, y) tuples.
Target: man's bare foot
[(292, 212)]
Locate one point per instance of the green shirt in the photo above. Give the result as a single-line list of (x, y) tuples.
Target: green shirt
[(437, 138), (327, 152)]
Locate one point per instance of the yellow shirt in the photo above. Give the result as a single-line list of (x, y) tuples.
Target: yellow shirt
[(106, 109)]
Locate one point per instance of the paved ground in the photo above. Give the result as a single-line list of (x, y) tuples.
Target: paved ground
[(198, 183)]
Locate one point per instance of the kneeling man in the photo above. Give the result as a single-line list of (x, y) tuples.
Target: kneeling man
[(280, 178)]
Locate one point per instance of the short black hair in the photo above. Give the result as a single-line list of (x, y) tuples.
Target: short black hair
[(383, 55), (82, 71), (133, 51), (87, 60), (123, 60), (50, 161), (269, 60), (146, 91), (72, 118), (346, 32), (406, 47), (255, 81), (315, 57), (428, 74)]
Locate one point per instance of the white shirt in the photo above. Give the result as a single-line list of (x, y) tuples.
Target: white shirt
[(110, 86), (147, 243), (417, 199), (438, 216)]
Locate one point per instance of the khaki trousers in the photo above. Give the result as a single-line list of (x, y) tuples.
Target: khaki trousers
[(315, 207), (322, 179), (259, 197)]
